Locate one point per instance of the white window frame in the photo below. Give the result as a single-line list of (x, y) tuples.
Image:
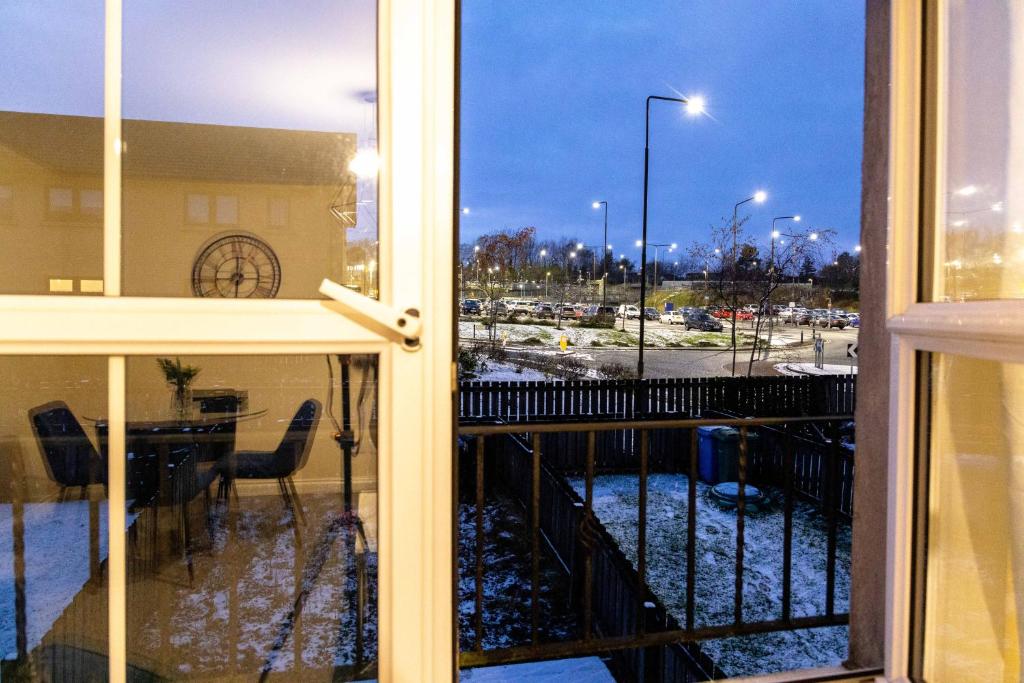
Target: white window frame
[(416, 68), (991, 330)]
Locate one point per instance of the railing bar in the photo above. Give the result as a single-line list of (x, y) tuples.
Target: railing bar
[(787, 534), (535, 543), (691, 533), (612, 425), (833, 461), (641, 536), (580, 648), (588, 560), (479, 601), (741, 509)]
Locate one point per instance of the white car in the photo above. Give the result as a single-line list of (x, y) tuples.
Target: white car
[(628, 311), (673, 318)]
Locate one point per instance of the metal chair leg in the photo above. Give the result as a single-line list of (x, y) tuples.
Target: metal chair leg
[(297, 502)]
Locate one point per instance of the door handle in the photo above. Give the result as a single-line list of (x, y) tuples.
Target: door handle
[(406, 325)]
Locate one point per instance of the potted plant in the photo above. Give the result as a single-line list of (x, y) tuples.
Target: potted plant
[(179, 379)]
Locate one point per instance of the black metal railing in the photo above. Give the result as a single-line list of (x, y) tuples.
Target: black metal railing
[(562, 401), (595, 637)]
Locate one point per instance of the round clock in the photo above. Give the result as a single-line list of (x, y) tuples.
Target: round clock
[(237, 266)]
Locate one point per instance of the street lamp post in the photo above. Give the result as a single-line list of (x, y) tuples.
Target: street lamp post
[(671, 248), (604, 253), (771, 273), (694, 106), (757, 197)]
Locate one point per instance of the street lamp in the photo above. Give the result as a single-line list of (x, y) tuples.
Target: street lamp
[(771, 272), (694, 107), (604, 253), (671, 247), (758, 198)]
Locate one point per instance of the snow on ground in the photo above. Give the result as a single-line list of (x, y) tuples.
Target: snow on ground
[(615, 504), (811, 369), (56, 565), (585, 670), (508, 372), (526, 334)]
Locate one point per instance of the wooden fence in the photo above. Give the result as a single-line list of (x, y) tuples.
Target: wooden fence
[(630, 399)]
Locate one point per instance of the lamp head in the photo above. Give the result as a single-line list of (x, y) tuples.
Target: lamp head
[(814, 236), (672, 246), (579, 245), (760, 196), (796, 219), (639, 243), (857, 248), (776, 234), (596, 205), (695, 105)]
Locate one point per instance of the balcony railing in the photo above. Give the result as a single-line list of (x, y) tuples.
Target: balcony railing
[(649, 626)]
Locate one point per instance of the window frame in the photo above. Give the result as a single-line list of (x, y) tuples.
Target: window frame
[(415, 73), (992, 330)]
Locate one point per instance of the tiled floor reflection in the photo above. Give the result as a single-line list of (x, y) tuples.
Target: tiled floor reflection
[(262, 599)]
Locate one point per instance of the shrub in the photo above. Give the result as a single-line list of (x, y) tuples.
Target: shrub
[(532, 341), (616, 370), (471, 362), (597, 323)]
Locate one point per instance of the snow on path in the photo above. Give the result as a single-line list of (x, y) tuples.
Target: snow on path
[(615, 504), (812, 369), (584, 670)]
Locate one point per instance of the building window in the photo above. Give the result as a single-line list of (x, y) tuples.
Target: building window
[(227, 210), (277, 212), (6, 203), (60, 202), (90, 203), (197, 209)]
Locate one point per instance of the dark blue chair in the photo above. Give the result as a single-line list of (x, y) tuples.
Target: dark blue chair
[(69, 456), (281, 463)]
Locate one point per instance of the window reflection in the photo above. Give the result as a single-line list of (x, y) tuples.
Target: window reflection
[(980, 239), (251, 484)]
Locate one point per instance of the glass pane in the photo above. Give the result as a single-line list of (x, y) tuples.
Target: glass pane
[(51, 146), (53, 520), (252, 548), (980, 236), (251, 138), (975, 586)]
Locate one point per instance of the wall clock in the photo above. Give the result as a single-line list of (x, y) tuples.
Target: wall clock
[(237, 266)]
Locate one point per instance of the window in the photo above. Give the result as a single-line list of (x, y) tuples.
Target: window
[(61, 202), (227, 210), (91, 203), (6, 203), (277, 212), (197, 209)]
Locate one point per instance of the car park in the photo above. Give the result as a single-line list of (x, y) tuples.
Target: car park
[(628, 311), (703, 322), (543, 311), (595, 313), (673, 318)]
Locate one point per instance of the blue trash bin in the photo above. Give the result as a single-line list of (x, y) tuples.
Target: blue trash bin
[(718, 450)]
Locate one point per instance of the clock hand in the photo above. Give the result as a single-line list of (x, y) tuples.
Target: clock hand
[(238, 274)]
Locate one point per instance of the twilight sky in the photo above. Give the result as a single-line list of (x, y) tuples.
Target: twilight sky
[(552, 107)]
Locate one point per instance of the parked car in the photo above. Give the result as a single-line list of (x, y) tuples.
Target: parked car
[(804, 317), (853, 319), (790, 314), (499, 308), (673, 318), (471, 307), (726, 314), (703, 322), (628, 311), (650, 313), (543, 311), (595, 313), (832, 320)]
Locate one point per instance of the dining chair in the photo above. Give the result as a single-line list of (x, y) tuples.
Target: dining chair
[(281, 463), (70, 458)]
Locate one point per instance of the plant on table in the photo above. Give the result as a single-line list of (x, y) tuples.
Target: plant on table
[(179, 378)]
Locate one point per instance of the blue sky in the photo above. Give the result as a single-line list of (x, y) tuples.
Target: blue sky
[(552, 107)]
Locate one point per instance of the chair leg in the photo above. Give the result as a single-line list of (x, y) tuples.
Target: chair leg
[(290, 506), (297, 502)]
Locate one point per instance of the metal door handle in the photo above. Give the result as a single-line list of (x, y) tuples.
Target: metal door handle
[(404, 324)]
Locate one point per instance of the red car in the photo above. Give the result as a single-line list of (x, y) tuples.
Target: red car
[(726, 314)]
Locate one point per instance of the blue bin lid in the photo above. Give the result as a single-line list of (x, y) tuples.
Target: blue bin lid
[(729, 491)]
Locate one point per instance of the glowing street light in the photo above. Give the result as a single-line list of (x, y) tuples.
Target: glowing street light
[(465, 210), (604, 271), (857, 248), (695, 105)]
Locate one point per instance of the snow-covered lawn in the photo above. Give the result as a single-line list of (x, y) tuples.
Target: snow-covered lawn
[(585, 337), (56, 565), (615, 504)]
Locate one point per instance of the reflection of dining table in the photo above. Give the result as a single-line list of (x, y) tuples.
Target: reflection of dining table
[(161, 454)]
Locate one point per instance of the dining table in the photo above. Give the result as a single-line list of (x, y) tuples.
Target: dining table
[(168, 463)]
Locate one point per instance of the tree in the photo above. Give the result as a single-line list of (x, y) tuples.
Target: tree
[(807, 268)]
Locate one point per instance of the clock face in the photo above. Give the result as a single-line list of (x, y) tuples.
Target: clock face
[(237, 266)]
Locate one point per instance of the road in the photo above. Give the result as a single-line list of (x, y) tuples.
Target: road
[(718, 362)]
